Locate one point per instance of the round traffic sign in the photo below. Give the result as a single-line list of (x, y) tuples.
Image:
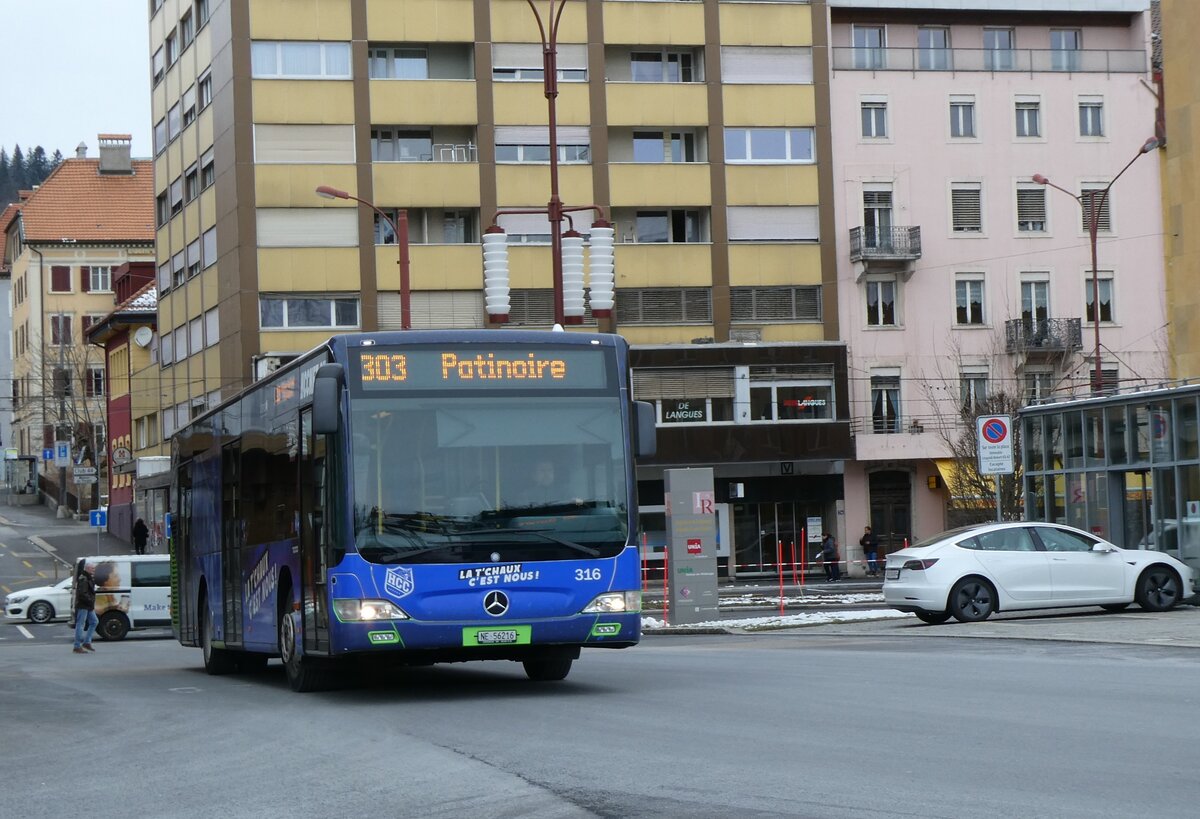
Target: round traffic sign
[(995, 431)]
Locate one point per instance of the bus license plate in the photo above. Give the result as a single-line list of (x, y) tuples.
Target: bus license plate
[(496, 637)]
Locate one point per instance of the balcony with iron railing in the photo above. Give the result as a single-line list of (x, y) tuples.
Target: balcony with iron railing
[(1026, 60), (1048, 336), (887, 244)]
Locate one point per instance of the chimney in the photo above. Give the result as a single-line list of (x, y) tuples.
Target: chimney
[(114, 153), (81, 150)]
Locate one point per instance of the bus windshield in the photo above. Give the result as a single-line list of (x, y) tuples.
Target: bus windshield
[(479, 478)]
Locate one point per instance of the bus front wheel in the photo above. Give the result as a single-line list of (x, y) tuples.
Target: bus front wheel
[(549, 666), (303, 673)]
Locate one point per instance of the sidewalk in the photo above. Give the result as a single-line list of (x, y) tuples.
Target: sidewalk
[(64, 539)]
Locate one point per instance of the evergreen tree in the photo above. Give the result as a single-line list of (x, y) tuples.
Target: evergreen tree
[(16, 169), (6, 193), (56, 160), (37, 166)]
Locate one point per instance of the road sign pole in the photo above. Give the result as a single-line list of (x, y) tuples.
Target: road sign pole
[(999, 515)]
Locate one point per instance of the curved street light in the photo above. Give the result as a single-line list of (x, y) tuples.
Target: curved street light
[(1092, 210), (400, 228)]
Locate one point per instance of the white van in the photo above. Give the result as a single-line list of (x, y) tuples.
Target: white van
[(132, 591)]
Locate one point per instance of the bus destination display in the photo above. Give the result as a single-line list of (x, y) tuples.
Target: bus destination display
[(478, 368)]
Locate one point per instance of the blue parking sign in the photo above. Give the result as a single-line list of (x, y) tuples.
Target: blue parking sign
[(48, 454), (167, 524), (98, 517)]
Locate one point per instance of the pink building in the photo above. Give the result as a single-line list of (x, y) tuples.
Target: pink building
[(960, 278)]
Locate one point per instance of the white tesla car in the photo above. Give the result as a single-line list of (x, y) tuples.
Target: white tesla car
[(970, 573), (41, 604)]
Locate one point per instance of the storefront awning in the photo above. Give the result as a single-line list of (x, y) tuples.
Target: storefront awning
[(959, 485)]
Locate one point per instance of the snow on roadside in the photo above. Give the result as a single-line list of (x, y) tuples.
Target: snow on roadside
[(807, 618)]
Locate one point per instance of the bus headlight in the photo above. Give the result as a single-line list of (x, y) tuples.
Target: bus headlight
[(611, 602), (365, 610)]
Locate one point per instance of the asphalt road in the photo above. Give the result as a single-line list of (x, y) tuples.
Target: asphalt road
[(801, 723)]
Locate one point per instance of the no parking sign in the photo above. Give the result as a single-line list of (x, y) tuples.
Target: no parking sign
[(994, 434)]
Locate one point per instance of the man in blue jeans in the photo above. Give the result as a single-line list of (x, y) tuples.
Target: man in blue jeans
[(85, 610)]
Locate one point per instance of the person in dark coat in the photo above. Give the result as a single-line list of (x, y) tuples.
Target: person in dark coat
[(141, 533), (85, 610), (829, 557), (870, 546)]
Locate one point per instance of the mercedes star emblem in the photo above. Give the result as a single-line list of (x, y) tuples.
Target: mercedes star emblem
[(495, 603)]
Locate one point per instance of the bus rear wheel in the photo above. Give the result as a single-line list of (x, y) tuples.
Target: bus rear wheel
[(550, 666), (217, 661), (303, 673)]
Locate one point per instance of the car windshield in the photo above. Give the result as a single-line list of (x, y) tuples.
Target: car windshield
[(442, 479)]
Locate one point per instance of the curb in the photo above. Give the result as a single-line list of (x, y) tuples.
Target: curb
[(37, 541)]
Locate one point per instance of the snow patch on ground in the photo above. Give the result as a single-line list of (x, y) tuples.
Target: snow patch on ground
[(807, 618)]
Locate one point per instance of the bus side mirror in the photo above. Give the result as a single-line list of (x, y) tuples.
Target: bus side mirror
[(647, 442), (327, 393)]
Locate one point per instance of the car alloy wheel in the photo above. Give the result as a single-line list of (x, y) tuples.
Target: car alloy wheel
[(41, 612), (1158, 589), (972, 600)]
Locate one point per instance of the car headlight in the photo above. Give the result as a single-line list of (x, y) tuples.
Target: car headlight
[(16, 598), (367, 610), (611, 602)]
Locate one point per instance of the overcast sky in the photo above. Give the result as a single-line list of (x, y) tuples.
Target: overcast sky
[(74, 69)]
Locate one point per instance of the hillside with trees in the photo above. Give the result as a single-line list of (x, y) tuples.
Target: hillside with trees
[(20, 171)]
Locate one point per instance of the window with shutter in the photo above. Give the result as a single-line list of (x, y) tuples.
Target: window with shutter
[(1031, 210), (60, 279), (683, 382), (85, 279), (1091, 198), (664, 305), (774, 304), (965, 205)]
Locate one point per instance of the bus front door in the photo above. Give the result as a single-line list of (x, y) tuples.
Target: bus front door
[(314, 531)]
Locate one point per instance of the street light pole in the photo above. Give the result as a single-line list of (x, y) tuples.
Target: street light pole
[(400, 228), (1092, 211)]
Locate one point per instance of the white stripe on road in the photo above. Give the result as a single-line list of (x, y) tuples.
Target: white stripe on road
[(25, 631)]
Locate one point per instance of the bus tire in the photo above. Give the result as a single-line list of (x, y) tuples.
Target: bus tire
[(113, 626), (217, 661), (303, 673), (550, 666)]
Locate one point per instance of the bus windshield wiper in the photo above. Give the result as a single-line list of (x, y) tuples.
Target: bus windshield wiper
[(393, 554), (502, 536)]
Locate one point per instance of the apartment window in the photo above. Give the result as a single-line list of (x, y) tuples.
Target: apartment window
[(775, 304), (1096, 204), (100, 278), (1035, 302), (1039, 384), (208, 173), (968, 299), (1065, 44), (60, 279), (799, 400), (212, 327), (160, 136), (885, 401), (881, 302), (1091, 117), (307, 312), (176, 195), (60, 329), (765, 65), (162, 210), (874, 120), (869, 45), (178, 269), (769, 145), (532, 144), (181, 340), (665, 305), (172, 46), (201, 12), (433, 226), (664, 146), (661, 66), (1031, 209), (674, 226), (999, 46), (61, 379), (973, 388), (966, 211), (798, 223), (208, 247), (174, 121), (187, 31), (1029, 118), (204, 90), (189, 106), (398, 145), (94, 385), (191, 183), (196, 334), (300, 60), (933, 48), (164, 277), (157, 67), (398, 63), (193, 258), (1104, 281), (516, 62), (962, 117)]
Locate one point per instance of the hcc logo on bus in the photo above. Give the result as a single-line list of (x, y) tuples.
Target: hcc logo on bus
[(495, 603)]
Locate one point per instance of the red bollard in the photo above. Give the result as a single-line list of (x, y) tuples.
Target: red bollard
[(779, 563), (665, 622), (793, 562)]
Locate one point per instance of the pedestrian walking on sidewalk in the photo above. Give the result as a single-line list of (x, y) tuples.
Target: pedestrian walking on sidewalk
[(829, 557), (85, 610), (870, 546), (141, 533)]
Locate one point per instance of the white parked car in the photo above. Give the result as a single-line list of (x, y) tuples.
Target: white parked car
[(40, 604), (970, 573)]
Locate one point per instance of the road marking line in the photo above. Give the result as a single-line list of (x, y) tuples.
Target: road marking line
[(42, 574), (7, 590), (28, 565), (25, 631)]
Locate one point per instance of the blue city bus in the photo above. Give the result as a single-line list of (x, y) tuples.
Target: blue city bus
[(415, 497)]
